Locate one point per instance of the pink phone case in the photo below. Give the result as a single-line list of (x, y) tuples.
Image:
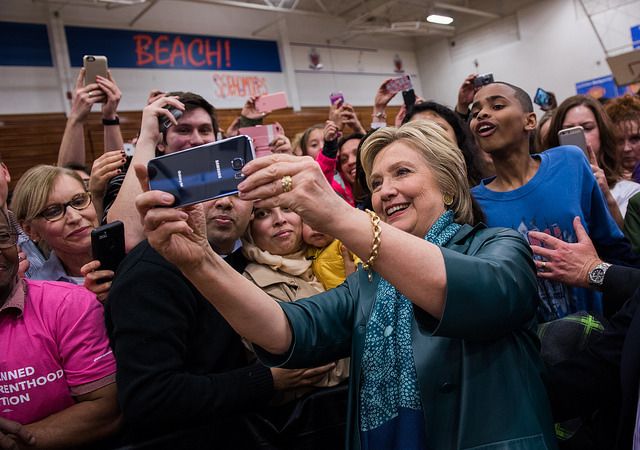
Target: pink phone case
[(262, 136), (399, 84), (271, 102)]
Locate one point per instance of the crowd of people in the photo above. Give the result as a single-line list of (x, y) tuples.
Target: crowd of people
[(454, 279)]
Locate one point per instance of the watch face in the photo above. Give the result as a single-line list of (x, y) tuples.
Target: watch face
[(597, 276)]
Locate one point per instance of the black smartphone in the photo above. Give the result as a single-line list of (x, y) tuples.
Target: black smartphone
[(545, 100), (202, 173), (409, 97), (482, 80), (107, 245), (165, 122)]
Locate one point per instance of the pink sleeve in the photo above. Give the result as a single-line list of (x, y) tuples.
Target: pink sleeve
[(82, 339), (327, 165)]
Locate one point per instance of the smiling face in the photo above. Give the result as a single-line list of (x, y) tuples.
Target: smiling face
[(70, 235), (405, 192), (8, 261), (194, 127), (582, 115), (347, 160), (277, 230), (499, 122)]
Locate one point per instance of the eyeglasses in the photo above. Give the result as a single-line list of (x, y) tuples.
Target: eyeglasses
[(57, 211), (8, 239)]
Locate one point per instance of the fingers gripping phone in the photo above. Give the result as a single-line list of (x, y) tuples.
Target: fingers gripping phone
[(202, 173), (545, 100), (107, 245), (94, 65), (574, 136), (262, 136), (271, 102)]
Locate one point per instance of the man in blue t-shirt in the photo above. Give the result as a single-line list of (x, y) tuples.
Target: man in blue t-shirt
[(542, 192)]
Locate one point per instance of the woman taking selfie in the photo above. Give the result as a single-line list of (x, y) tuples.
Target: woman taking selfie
[(441, 334), (53, 207)]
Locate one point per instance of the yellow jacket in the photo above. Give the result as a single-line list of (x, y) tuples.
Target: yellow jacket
[(328, 265)]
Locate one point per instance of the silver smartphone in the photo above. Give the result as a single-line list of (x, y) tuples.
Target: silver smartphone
[(574, 136)]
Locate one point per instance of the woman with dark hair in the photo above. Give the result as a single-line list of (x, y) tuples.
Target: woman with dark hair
[(479, 164), (587, 112), (312, 140)]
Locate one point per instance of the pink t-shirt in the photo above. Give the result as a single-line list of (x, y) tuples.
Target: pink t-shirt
[(53, 346)]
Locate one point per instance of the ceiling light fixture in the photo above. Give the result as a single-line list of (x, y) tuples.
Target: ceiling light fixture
[(437, 18)]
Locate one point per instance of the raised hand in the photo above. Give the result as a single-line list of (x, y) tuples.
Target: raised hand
[(330, 132), (112, 93), (84, 97), (179, 235), (465, 94), (249, 109)]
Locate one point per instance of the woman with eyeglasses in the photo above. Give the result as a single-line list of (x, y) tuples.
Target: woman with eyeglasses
[(53, 207)]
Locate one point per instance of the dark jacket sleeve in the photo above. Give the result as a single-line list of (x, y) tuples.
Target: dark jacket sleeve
[(620, 283), (154, 315), (591, 379)]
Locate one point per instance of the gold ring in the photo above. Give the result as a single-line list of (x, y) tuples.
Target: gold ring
[(543, 265), (287, 183)]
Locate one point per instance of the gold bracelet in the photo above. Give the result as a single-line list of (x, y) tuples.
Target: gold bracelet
[(375, 245)]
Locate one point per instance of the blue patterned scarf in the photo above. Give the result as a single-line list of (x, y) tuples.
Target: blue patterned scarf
[(389, 380)]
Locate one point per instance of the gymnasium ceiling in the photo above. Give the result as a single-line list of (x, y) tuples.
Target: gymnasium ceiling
[(360, 18)]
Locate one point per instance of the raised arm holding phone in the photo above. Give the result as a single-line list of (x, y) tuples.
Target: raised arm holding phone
[(421, 211)]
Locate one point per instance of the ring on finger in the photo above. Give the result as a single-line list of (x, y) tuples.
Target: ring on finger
[(90, 93), (543, 266), (287, 183)]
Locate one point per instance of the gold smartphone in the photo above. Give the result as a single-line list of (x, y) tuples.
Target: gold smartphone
[(94, 65)]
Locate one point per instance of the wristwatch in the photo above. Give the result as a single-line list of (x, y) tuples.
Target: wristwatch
[(596, 275)]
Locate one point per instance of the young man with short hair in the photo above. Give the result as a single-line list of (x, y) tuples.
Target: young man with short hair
[(542, 192)]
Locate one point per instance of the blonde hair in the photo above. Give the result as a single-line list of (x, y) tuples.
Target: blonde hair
[(33, 188), (443, 158)]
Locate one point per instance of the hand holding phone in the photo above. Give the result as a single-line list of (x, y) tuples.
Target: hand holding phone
[(545, 99), (399, 84), (482, 80), (574, 136), (202, 173), (409, 98), (271, 102), (107, 245), (262, 136)]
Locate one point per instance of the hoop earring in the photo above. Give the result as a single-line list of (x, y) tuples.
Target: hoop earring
[(447, 199)]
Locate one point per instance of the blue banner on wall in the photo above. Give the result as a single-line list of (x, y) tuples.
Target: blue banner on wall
[(604, 87), (24, 44), (635, 36), (141, 49)]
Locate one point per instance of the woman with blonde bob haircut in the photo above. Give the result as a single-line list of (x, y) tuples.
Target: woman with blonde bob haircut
[(54, 209), (445, 161), (439, 322)]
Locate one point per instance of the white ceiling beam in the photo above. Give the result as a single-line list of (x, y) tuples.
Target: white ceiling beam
[(371, 13), (464, 10), (322, 6), (274, 9)]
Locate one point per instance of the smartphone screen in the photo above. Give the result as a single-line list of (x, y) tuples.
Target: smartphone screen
[(107, 245), (94, 65), (202, 173), (574, 136)]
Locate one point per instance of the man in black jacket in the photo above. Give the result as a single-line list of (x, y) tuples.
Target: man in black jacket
[(182, 372), (605, 376)]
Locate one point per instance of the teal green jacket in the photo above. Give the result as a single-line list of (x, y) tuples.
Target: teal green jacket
[(478, 368)]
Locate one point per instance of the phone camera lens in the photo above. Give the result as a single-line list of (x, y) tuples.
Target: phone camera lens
[(237, 163)]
